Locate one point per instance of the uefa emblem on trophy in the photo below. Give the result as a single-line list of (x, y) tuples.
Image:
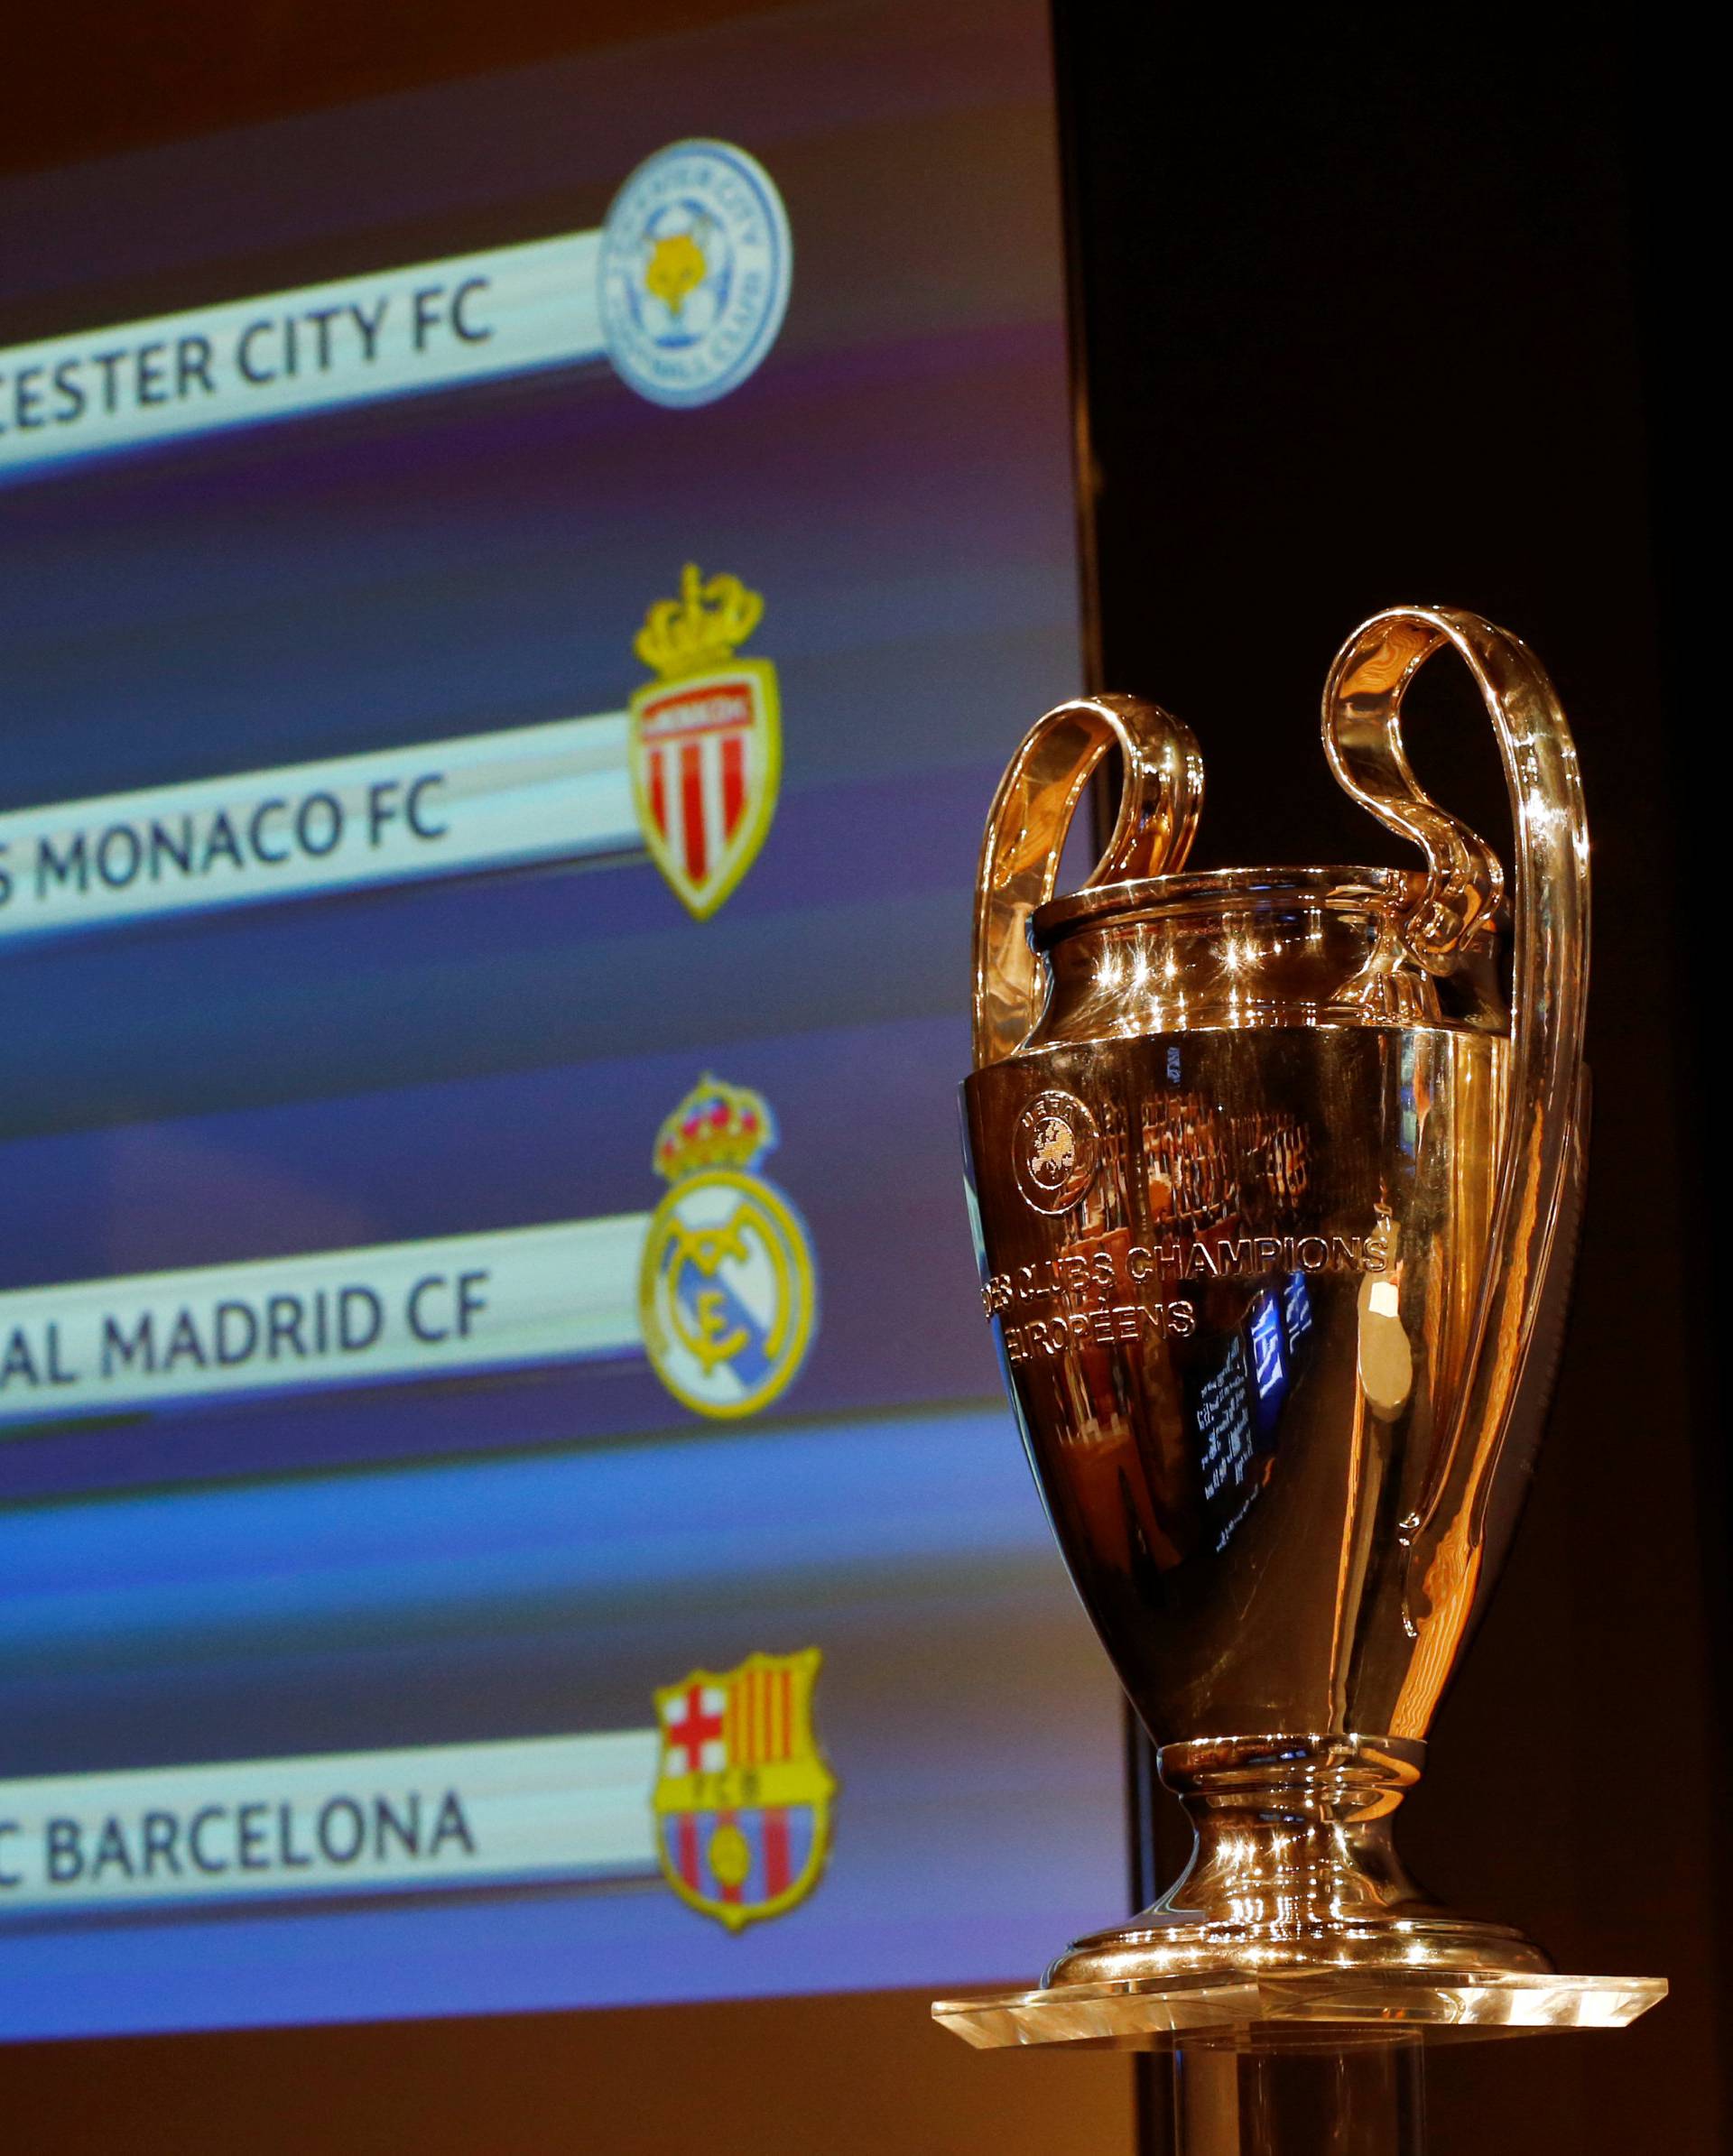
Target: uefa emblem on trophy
[(1274, 1182)]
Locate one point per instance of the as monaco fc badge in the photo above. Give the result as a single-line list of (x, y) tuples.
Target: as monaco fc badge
[(706, 745), (726, 1294)]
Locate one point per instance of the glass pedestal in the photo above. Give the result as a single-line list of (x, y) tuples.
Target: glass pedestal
[(1307, 2063)]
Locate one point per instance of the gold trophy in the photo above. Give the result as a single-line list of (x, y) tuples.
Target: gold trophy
[(1274, 1184)]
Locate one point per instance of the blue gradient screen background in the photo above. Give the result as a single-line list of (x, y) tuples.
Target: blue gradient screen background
[(460, 1559)]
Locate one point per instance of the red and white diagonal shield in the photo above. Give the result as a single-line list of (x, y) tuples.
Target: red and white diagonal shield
[(706, 760)]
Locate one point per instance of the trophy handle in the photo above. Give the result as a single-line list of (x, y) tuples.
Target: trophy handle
[(1160, 795), (1540, 1146)]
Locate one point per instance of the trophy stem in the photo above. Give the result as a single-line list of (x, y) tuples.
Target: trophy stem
[(1364, 2101), (1293, 1832), (1293, 1868)]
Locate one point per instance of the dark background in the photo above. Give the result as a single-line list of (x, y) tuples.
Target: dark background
[(1405, 307), (1370, 317)]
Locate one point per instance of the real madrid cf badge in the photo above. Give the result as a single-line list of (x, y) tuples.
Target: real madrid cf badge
[(725, 1292), (707, 744), (742, 1801)]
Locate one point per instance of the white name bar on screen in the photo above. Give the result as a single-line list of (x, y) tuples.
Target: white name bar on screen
[(525, 1295), (559, 790), (569, 1807), (431, 325)]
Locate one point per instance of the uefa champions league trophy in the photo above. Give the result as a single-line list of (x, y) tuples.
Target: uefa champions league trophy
[(1272, 1195)]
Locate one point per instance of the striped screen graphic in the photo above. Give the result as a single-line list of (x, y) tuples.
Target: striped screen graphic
[(697, 745), (418, 1484)]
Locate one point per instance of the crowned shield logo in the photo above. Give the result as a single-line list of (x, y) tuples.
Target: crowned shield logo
[(743, 1794), (726, 1288), (706, 745)]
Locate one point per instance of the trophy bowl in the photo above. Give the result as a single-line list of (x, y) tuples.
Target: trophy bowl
[(1273, 1174)]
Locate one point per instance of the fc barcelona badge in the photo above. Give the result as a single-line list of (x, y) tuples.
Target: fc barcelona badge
[(743, 1794), (707, 746), (726, 1287)]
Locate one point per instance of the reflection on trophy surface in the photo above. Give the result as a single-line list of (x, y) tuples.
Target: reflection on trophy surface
[(1273, 1173)]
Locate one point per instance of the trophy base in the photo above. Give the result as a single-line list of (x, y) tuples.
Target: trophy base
[(1317, 2009), (1295, 1925)]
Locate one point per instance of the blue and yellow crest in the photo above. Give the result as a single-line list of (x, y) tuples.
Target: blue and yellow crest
[(743, 1793), (727, 1297), (693, 277)]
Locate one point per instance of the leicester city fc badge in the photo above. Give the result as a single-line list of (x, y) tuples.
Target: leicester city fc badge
[(694, 273), (742, 1799), (707, 746), (726, 1292)]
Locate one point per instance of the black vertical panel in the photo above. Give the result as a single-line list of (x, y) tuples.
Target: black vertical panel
[(1366, 306)]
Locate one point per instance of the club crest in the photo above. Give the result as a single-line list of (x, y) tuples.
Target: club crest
[(694, 272), (706, 741), (727, 1296), (742, 1801)]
